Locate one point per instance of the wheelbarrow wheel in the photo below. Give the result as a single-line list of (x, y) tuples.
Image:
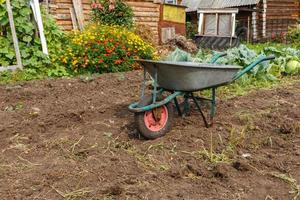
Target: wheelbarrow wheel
[(154, 123)]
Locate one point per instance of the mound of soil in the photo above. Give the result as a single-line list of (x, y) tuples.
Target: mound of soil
[(179, 41), (76, 139)]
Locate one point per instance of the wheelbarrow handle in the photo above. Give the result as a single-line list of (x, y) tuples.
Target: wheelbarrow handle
[(217, 56), (252, 65)]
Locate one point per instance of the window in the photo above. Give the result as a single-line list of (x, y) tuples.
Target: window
[(224, 25), (214, 22), (210, 24), (171, 1)]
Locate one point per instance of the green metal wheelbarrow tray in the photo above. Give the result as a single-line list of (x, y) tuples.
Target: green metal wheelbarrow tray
[(154, 113)]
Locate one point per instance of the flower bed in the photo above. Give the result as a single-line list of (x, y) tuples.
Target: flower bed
[(103, 48)]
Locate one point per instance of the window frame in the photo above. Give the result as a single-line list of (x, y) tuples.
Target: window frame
[(202, 24)]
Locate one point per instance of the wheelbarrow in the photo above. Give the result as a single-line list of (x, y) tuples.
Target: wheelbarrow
[(154, 112)]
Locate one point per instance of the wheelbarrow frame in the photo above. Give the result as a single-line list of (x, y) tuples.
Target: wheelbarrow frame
[(157, 91)]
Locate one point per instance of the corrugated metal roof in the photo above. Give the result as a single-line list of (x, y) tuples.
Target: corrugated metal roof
[(193, 5)]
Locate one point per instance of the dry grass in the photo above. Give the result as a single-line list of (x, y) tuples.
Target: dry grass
[(291, 181), (73, 195)]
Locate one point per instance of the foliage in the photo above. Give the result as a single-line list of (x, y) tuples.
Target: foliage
[(112, 12), (191, 30), (35, 62), (103, 48), (293, 36), (243, 56)]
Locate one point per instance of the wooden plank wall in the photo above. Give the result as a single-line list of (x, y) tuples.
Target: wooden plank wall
[(281, 14), (145, 12), (60, 9), (282, 9)]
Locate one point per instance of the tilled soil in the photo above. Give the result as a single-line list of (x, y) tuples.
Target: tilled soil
[(76, 139)]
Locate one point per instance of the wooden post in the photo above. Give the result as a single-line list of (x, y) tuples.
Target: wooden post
[(248, 30), (233, 17), (254, 25), (73, 18), (79, 13), (264, 16), (38, 17), (200, 24), (14, 36)]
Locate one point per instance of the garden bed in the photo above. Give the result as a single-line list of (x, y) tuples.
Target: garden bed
[(75, 139)]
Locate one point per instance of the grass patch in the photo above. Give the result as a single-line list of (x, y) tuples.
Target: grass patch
[(247, 85)]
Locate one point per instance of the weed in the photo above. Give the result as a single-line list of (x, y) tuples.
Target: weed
[(236, 138), (224, 156), (69, 148), (18, 106), (247, 118), (73, 195), (268, 197), (156, 147), (291, 181), (212, 156), (164, 168)]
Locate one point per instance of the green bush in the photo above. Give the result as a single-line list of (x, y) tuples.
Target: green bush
[(191, 30), (35, 62), (112, 12), (294, 36), (103, 48)]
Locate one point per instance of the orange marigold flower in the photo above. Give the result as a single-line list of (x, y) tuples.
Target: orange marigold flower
[(109, 50), (118, 62)]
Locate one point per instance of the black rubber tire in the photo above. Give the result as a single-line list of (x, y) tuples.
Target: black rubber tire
[(235, 42), (223, 44), (140, 123), (215, 43)]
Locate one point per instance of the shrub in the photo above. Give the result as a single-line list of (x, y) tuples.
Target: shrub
[(191, 30), (34, 61), (293, 36), (103, 48), (112, 12)]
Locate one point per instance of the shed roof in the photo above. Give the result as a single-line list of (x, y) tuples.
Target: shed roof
[(193, 5)]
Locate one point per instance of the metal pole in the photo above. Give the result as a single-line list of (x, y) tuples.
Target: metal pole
[(14, 34)]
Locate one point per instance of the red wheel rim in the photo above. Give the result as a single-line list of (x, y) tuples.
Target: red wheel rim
[(156, 119)]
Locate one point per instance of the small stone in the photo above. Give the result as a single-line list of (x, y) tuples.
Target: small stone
[(246, 155)]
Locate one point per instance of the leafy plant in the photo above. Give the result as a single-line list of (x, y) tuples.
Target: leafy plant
[(293, 36), (191, 30), (286, 61), (112, 12), (36, 63)]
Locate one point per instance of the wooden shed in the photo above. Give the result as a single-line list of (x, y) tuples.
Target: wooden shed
[(164, 19), (261, 18)]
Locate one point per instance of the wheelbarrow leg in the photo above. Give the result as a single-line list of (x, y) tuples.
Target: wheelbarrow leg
[(213, 107), (200, 110), (186, 104), (177, 107)]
